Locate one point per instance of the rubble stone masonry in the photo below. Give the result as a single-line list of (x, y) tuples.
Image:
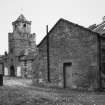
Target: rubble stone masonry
[(68, 43)]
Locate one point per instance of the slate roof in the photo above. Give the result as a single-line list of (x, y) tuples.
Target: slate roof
[(100, 28)]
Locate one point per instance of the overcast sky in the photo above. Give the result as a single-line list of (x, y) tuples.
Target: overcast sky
[(43, 12)]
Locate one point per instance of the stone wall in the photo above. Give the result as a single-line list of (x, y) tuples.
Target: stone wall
[(103, 60), (20, 41), (68, 42), (26, 69)]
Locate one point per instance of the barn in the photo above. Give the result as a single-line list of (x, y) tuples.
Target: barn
[(69, 56)]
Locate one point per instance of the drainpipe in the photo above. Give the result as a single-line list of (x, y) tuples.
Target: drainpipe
[(48, 62)]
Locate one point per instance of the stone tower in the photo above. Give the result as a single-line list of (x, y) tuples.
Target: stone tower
[(21, 43)]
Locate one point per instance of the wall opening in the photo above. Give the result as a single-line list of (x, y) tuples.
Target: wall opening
[(24, 25), (12, 70), (67, 74)]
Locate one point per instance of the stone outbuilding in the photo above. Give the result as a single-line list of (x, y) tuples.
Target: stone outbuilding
[(100, 28), (68, 57)]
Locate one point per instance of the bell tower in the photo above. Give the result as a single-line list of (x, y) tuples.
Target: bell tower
[(21, 38), (21, 25), (21, 43)]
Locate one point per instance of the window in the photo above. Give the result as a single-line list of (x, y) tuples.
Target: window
[(24, 25)]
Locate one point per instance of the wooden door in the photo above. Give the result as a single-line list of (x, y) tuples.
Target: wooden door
[(67, 75)]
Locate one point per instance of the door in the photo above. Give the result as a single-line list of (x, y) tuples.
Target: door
[(67, 75), (12, 71)]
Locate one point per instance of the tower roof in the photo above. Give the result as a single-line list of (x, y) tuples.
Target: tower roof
[(21, 18)]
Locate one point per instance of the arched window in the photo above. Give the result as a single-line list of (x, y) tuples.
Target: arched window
[(24, 25)]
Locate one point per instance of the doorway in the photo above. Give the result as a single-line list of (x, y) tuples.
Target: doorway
[(67, 73), (12, 71)]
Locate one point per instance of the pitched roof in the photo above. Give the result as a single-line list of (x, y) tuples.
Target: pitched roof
[(100, 28), (21, 18), (68, 22), (91, 27)]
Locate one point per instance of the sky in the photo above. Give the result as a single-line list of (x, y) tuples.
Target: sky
[(47, 12)]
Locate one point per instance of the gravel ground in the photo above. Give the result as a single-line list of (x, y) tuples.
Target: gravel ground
[(21, 92)]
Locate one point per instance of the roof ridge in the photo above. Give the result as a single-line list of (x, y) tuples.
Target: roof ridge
[(21, 17), (69, 22)]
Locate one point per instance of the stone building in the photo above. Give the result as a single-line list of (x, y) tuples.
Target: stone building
[(68, 57), (21, 49), (100, 28)]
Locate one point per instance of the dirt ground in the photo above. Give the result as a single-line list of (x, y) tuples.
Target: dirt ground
[(17, 91)]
